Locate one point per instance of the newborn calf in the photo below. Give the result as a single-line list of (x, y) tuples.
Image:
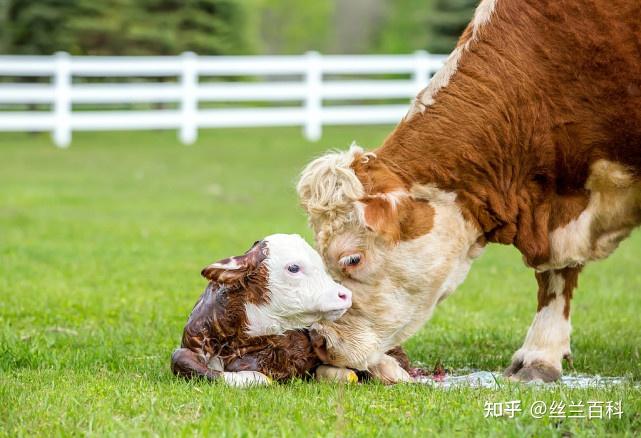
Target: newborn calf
[(246, 326)]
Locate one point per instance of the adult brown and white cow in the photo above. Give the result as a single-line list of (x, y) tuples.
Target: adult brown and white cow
[(529, 135)]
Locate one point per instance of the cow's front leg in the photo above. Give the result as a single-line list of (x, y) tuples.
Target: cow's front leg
[(328, 373), (351, 342), (548, 339), (389, 370)]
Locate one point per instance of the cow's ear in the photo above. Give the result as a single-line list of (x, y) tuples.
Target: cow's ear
[(234, 270), (367, 158), (397, 219), (380, 215)]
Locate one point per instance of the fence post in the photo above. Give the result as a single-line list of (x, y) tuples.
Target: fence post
[(421, 69), (313, 99), (62, 100), (189, 102)]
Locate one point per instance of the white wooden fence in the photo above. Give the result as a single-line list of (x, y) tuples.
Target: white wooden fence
[(309, 80)]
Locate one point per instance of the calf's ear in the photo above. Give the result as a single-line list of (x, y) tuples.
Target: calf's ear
[(234, 270)]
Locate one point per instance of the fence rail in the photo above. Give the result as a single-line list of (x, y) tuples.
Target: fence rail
[(310, 80)]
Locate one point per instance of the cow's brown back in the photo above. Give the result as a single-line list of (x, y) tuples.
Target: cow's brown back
[(542, 92)]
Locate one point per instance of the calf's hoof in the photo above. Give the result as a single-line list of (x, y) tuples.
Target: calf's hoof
[(535, 371), (244, 379)]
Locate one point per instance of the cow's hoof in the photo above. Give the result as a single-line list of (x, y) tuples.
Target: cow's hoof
[(536, 371), (329, 373), (389, 371)]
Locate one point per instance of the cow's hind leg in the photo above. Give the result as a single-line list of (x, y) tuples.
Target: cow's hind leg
[(548, 339)]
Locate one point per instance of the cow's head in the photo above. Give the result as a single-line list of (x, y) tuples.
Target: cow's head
[(375, 229)]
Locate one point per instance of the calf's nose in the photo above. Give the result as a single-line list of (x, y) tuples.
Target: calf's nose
[(344, 294)]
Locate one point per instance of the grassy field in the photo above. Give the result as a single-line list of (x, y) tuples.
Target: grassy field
[(101, 246)]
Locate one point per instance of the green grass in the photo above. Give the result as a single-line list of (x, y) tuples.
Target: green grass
[(101, 246)]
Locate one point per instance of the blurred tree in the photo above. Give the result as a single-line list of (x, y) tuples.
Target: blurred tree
[(231, 26), (446, 21), (293, 26), (34, 27), (434, 25), (4, 7), (167, 27), (117, 27), (355, 25), (405, 28)]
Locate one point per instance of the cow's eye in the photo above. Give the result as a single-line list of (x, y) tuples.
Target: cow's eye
[(293, 268), (350, 260)]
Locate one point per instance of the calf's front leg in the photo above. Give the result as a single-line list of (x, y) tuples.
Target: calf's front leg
[(548, 339)]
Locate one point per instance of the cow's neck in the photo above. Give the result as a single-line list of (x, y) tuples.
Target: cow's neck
[(461, 149), (509, 126)]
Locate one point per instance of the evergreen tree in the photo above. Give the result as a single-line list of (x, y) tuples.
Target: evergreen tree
[(119, 27), (35, 27), (208, 27)]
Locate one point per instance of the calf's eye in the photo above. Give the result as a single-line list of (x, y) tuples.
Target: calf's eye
[(293, 268)]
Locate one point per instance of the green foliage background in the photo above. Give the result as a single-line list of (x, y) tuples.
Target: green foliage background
[(164, 27), (123, 27)]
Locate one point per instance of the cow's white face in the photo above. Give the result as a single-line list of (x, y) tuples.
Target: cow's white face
[(422, 264), (430, 265), (301, 292), (381, 238)]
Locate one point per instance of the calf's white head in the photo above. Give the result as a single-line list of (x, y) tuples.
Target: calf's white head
[(282, 284)]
